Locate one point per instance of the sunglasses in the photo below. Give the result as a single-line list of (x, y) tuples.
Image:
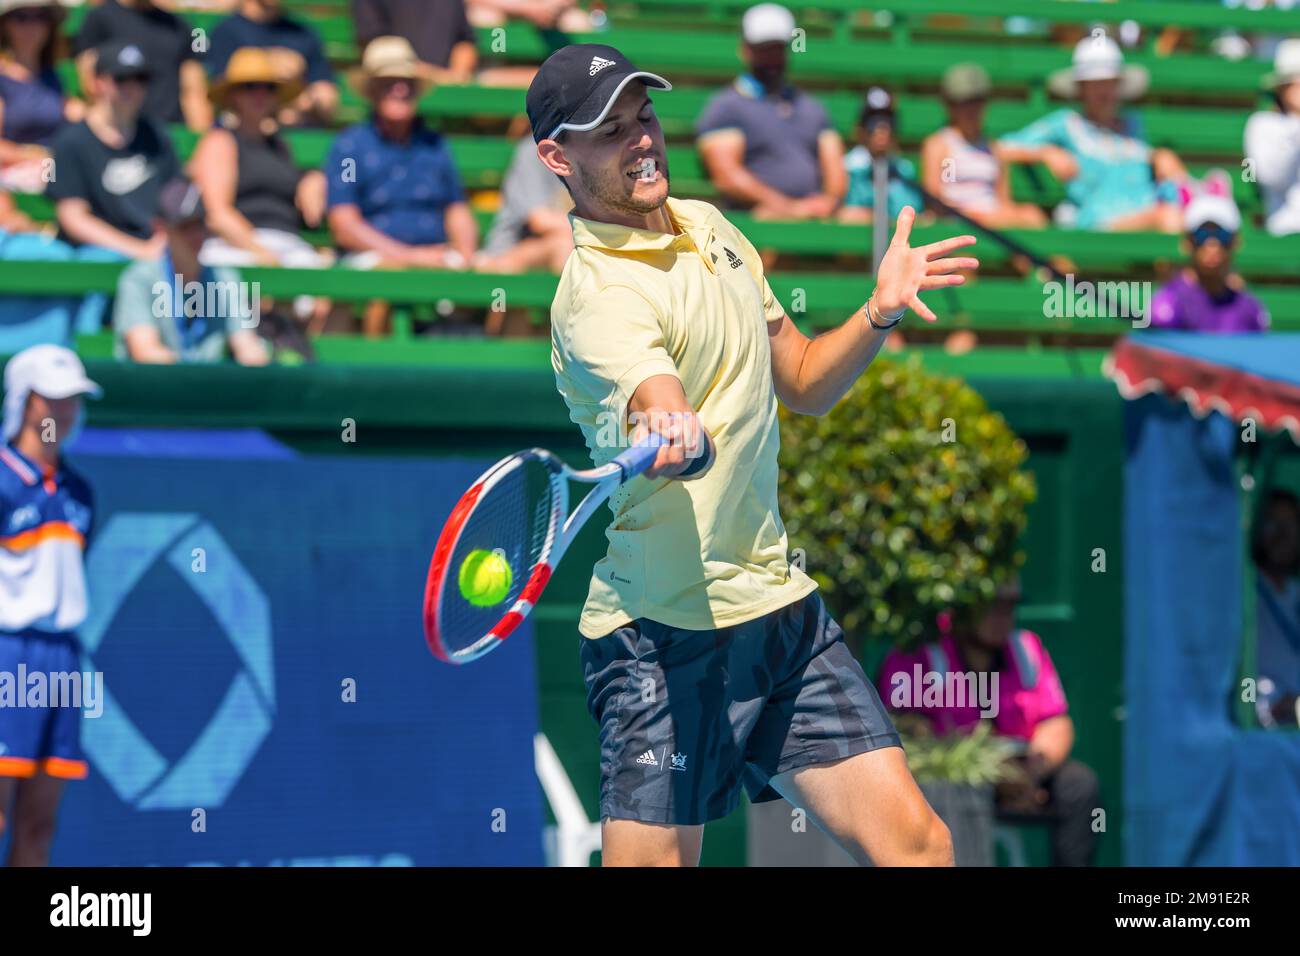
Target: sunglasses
[(1204, 233), (141, 79), (257, 87)]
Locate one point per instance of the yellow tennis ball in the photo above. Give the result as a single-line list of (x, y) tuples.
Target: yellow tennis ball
[(485, 578)]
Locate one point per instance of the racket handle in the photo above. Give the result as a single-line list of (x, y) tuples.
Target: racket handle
[(640, 456)]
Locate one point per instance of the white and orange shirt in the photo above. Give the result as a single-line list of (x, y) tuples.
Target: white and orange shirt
[(45, 519)]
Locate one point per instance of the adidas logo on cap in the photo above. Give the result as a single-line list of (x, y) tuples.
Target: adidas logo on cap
[(648, 758), (598, 63)]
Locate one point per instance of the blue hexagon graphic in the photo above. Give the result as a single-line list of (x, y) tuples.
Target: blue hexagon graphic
[(121, 553)]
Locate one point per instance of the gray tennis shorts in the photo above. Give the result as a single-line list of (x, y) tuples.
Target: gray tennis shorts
[(689, 717)]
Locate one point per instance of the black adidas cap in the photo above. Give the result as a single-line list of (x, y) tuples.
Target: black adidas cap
[(577, 85)]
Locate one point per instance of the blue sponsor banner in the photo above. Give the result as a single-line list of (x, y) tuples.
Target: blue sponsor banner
[(240, 595)]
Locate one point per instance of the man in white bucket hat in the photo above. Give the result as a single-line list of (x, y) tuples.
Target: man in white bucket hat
[(1114, 180), (46, 512), (1273, 143)]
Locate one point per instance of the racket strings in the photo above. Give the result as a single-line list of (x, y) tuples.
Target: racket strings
[(517, 518)]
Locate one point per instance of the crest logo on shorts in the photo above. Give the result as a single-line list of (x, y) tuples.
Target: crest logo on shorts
[(598, 63), (677, 762)]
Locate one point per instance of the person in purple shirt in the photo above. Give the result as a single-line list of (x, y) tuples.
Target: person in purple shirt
[(1207, 296)]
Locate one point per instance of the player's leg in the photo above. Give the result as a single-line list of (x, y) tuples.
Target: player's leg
[(35, 807), (634, 843), (826, 743), (870, 805), (674, 708)]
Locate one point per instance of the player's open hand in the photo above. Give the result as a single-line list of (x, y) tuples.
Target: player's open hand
[(905, 272)]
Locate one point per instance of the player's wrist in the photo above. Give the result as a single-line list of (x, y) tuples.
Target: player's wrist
[(879, 320)]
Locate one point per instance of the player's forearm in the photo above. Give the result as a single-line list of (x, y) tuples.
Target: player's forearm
[(831, 363)]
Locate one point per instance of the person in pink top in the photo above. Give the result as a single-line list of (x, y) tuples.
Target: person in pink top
[(996, 671)]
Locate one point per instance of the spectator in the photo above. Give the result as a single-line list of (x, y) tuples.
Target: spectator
[(1273, 143), (1114, 180), (876, 140), (394, 195), (296, 54), (112, 166), (32, 105), (1207, 296), (179, 88), (531, 229), (768, 146), (1029, 708), (960, 167), (437, 30), (1275, 549), (257, 198), (213, 313)]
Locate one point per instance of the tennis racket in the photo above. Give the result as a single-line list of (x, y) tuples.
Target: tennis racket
[(512, 521)]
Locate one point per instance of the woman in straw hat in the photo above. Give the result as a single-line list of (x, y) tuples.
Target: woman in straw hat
[(1273, 143), (1114, 180), (32, 103), (257, 198)]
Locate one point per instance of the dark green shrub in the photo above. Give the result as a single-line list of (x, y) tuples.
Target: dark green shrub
[(907, 499)]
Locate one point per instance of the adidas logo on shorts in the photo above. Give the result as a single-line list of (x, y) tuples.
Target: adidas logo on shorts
[(598, 63), (648, 758)]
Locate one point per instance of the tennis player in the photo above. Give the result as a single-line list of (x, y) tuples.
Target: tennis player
[(710, 661), (45, 517)]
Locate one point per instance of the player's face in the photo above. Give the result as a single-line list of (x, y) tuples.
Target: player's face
[(621, 165)]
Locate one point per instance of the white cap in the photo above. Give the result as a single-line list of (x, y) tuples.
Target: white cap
[(50, 371), (767, 23), (1286, 64), (1209, 208), (1097, 58)]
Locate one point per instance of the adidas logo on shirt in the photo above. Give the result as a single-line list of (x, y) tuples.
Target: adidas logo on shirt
[(598, 63), (648, 758), (735, 260)]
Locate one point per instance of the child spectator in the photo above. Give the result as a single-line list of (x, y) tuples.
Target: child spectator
[(877, 143), (213, 315), (1206, 295)]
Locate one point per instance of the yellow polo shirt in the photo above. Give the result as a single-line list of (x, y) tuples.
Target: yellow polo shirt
[(710, 552)]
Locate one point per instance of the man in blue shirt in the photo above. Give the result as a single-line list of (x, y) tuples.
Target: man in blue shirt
[(296, 50), (46, 514), (394, 197)]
